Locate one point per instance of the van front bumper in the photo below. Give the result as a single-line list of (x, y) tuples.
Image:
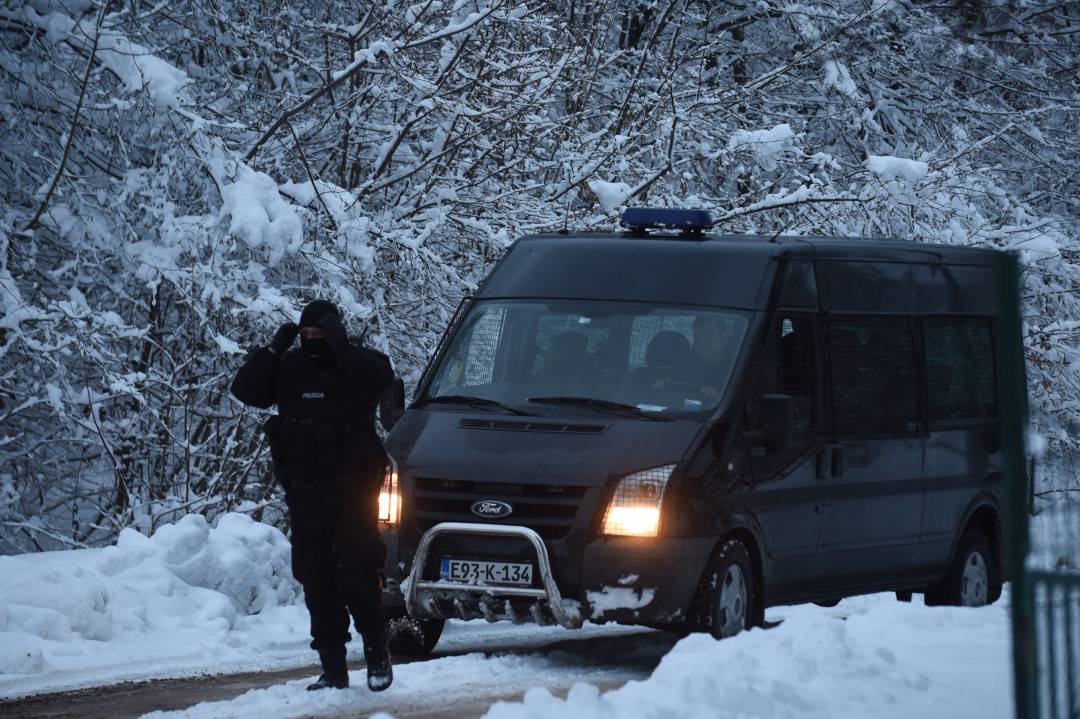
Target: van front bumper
[(643, 580), (629, 580)]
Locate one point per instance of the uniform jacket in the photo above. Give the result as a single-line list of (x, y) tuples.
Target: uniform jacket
[(324, 432)]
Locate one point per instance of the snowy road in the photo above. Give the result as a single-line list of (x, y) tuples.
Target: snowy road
[(476, 665)]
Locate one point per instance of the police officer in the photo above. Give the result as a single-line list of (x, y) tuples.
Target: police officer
[(331, 463)]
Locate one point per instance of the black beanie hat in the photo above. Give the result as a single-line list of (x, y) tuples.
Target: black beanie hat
[(315, 310)]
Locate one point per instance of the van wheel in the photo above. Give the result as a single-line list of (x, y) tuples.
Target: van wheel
[(973, 579), (827, 603), (409, 637), (731, 602)]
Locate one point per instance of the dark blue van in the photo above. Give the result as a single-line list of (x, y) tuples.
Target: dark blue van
[(673, 428)]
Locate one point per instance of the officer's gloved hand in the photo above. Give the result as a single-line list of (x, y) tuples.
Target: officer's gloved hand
[(335, 331), (283, 338)]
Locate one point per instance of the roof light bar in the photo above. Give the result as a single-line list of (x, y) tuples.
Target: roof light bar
[(657, 218)]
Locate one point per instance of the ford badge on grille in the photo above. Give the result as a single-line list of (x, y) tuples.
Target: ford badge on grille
[(491, 508)]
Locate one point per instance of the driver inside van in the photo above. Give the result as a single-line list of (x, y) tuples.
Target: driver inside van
[(707, 360), (714, 349)]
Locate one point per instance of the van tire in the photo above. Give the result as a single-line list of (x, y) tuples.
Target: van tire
[(973, 579), (411, 637), (730, 601)]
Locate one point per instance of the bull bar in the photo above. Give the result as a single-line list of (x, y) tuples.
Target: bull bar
[(421, 594)]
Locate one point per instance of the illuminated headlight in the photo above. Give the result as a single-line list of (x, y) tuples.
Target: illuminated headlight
[(635, 507), (390, 496)]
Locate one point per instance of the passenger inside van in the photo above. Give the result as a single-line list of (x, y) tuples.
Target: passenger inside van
[(667, 361)]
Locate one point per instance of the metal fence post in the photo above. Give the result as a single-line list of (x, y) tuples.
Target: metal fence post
[(1012, 391)]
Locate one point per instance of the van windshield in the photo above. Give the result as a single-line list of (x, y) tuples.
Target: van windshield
[(538, 355)]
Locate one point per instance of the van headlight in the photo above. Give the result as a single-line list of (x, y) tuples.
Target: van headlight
[(634, 510), (390, 496)]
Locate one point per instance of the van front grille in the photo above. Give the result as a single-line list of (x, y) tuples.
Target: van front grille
[(549, 510)]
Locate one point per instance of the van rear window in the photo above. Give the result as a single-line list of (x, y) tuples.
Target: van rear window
[(960, 373), (658, 359)]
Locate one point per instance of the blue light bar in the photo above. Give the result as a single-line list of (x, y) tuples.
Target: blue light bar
[(658, 218)]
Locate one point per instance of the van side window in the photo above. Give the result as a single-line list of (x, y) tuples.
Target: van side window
[(787, 366), (874, 385), (959, 368)]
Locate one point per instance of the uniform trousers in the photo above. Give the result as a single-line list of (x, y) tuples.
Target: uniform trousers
[(338, 558)]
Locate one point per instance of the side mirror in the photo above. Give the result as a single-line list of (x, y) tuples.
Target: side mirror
[(392, 404), (778, 421)]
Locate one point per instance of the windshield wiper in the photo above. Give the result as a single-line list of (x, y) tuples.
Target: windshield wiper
[(477, 402), (600, 404)]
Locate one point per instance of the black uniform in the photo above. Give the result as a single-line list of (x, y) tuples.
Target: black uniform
[(331, 463)]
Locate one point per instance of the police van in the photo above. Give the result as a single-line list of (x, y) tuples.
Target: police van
[(667, 427)]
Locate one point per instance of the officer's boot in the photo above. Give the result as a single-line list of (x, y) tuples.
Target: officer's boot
[(380, 673), (335, 672)]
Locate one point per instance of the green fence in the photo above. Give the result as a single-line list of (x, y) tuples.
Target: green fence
[(1043, 547), (1053, 577)]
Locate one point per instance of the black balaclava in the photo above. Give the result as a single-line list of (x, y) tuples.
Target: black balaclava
[(310, 318)]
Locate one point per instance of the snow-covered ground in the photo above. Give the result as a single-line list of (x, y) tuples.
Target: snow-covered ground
[(867, 657), (196, 599)]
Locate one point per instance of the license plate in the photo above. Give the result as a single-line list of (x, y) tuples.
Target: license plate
[(476, 572)]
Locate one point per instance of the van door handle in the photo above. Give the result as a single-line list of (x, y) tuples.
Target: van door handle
[(837, 460), (830, 461)]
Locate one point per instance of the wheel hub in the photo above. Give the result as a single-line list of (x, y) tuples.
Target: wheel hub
[(731, 602), (973, 581)]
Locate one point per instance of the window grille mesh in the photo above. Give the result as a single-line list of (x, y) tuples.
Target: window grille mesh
[(480, 363), (874, 387), (959, 368)]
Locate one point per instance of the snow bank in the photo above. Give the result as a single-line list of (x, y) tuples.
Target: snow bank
[(893, 660), (887, 167), (189, 589), (767, 145)]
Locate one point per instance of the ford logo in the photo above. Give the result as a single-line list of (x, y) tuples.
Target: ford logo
[(491, 508)]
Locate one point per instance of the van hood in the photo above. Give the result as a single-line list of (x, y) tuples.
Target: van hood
[(581, 450)]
